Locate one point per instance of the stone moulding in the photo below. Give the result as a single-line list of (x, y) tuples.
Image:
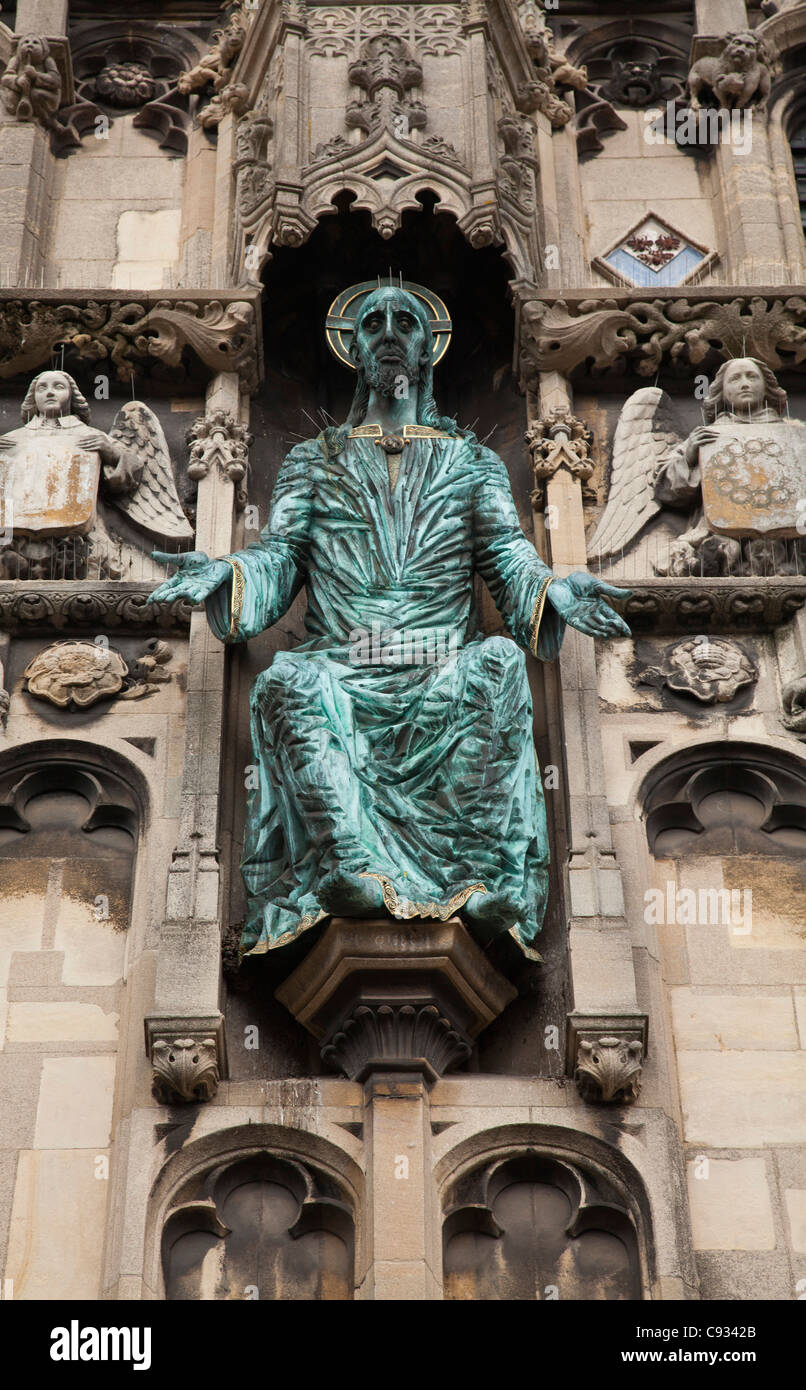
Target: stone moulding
[(388, 997), (59, 605), (681, 326), (188, 1058), (605, 1055), (711, 605), (221, 329)]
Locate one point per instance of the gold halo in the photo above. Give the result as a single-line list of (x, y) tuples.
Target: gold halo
[(342, 314)]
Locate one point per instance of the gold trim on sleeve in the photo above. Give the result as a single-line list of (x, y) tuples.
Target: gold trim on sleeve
[(236, 606), (537, 614)]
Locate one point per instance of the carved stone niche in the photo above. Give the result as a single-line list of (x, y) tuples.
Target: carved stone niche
[(129, 68), (383, 996), (266, 1228), (727, 798), (535, 1227)]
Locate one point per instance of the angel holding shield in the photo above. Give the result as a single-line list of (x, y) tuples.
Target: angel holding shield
[(740, 475), (56, 469)]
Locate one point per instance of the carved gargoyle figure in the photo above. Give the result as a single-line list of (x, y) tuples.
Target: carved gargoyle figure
[(552, 74), (57, 473), (214, 68), (31, 87), (739, 475), (737, 77), (638, 75)]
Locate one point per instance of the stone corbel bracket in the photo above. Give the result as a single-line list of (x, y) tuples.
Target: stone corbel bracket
[(605, 1054), (188, 1058), (222, 331), (399, 998)]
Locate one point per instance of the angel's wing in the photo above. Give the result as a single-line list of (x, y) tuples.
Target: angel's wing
[(154, 506), (645, 436)]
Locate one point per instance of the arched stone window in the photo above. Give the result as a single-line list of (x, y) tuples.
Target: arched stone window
[(263, 1227), (536, 1227), (726, 798)]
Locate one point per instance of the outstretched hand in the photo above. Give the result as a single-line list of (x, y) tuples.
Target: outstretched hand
[(196, 578), (580, 598)]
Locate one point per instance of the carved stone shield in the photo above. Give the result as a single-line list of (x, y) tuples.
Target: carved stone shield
[(51, 484), (753, 478)]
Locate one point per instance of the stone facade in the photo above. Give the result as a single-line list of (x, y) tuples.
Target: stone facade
[(175, 230)]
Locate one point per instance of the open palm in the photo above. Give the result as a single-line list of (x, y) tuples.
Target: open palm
[(196, 578), (581, 599)]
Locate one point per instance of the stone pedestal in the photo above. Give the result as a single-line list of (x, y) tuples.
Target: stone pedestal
[(385, 996)]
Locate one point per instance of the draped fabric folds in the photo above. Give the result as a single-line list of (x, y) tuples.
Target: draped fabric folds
[(396, 740)]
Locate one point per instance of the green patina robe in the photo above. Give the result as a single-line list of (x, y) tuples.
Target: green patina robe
[(396, 740)]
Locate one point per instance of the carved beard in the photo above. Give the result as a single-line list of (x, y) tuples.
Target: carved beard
[(384, 377)]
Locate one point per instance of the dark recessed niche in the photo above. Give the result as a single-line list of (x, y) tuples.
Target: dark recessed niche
[(727, 799), (639, 747), (535, 1228), (280, 1230)]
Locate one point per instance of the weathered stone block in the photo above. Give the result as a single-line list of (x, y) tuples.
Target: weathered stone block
[(731, 1207), (732, 1022), (741, 1100), (75, 1103)]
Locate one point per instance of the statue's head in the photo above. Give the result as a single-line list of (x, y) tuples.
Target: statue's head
[(743, 386), (392, 339), (53, 394), (743, 49), (33, 49), (392, 344)]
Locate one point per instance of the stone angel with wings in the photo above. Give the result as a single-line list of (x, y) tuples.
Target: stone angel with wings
[(740, 477), (76, 503)]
